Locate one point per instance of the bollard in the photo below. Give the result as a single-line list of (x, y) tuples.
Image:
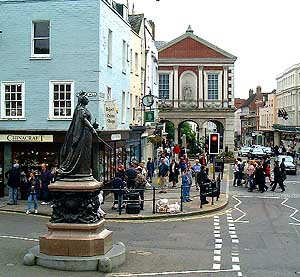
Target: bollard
[(200, 198), (181, 198), (153, 202), (212, 195), (119, 203)]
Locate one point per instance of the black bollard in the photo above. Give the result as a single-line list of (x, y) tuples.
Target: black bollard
[(153, 202)]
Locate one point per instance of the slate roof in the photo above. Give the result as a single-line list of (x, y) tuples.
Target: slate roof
[(135, 21), (160, 44), (249, 100)]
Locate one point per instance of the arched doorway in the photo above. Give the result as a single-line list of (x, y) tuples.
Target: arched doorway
[(188, 136)]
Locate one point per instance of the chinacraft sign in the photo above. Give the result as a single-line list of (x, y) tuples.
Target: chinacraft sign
[(26, 138), (110, 110)]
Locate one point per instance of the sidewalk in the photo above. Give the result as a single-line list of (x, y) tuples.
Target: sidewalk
[(173, 196)]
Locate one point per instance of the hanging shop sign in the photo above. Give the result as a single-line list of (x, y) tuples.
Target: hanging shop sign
[(149, 116), (110, 114), (25, 138), (115, 137)]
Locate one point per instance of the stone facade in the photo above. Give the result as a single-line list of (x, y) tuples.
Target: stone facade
[(197, 84)]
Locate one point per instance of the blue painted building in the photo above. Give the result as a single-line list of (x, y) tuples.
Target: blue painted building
[(49, 51)]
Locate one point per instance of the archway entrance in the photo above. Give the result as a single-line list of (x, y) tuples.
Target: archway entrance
[(188, 136)]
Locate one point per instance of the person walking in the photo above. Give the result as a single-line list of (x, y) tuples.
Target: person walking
[(185, 185), (33, 186), (203, 180), (14, 180), (46, 178), (282, 169), (278, 178), (163, 171), (196, 169), (260, 177), (235, 173), (174, 173), (150, 170), (190, 182), (250, 173), (140, 185)]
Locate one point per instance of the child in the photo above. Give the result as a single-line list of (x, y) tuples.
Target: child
[(33, 186)]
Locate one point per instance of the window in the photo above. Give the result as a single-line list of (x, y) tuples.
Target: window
[(212, 80), (61, 99), (131, 105), (124, 51), (108, 93), (109, 48), (163, 86), (41, 39), (131, 61), (13, 100), (123, 107), (136, 63)]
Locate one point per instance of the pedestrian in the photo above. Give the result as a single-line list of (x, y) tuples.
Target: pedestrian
[(46, 178), (118, 186), (245, 171), (278, 178), (240, 171), (140, 185), (182, 165), (163, 172), (150, 170), (203, 181), (176, 151), (235, 173), (185, 185), (130, 174), (282, 169), (260, 177), (14, 181), (196, 169), (33, 186), (190, 182), (250, 173), (174, 173)]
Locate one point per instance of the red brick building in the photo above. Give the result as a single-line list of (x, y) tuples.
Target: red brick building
[(196, 82)]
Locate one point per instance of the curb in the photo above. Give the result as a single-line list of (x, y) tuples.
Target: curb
[(138, 218)]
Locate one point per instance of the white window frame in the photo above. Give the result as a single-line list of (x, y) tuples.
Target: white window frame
[(124, 56), (170, 73), (220, 76), (40, 56), (109, 47), (3, 110), (51, 99)]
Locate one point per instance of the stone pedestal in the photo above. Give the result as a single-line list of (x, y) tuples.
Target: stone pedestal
[(76, 240)]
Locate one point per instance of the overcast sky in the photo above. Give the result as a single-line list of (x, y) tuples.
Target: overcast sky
[(263, 34)]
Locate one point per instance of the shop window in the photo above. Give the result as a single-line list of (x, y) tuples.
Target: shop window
[(13, 95), (61, 99)]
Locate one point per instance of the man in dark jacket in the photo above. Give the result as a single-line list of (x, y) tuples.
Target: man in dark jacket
[(277, 177), (150, 170), (14, 181), (46, 178), (163, 172)]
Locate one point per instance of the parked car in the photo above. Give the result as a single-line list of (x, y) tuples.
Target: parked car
[(256, 152), (268, 151), (290, 166), (244, 151)]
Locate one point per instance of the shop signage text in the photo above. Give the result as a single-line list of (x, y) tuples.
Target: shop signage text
[(116, 137), (26, 138), (110, 114)]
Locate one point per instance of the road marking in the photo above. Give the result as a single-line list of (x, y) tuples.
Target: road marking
[(218, 240), (216, 231), (232, 228), (233, 236), (236, 267), (217, 252), (231, 225), (240, 274), (216, 223), (257, 196), (232, 232), (243, 213), (295, 210), (168, 273), (217, 258), (217, 227), (218, 246), (216, 216), (216, 266), (235, 241), (20, 238), (217, 235), (235, 259)]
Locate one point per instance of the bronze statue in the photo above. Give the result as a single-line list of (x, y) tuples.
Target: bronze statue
[(76, 151)]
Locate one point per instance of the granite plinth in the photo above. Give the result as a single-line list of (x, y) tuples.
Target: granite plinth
[(103, 263), (78, 240)]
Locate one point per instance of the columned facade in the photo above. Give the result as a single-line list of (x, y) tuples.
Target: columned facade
[(196, 83)]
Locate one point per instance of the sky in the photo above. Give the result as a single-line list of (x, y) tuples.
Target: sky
[(262, 34)]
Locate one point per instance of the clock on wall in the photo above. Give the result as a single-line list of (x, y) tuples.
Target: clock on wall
[(148, 100)]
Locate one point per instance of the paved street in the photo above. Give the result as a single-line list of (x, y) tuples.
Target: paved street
[(257, 235)]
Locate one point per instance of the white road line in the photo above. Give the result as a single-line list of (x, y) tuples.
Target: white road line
[(234, 254), (168, 273), (216, 216), (230, 220), (243, 213), (217, 252), (217, 235), (217, 258), (217, 227), (218, 246), (295, 210), (232, 232), (235, 259), (240, 274), (231, 224), (216, 231), (235, 241), (233, 236), (216, 223), (232, 228), (236, 267), (216, 266), (257, 196), (218, 240), (20, 238)]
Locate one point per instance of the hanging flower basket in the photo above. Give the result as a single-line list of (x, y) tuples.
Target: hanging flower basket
[(154, 139)]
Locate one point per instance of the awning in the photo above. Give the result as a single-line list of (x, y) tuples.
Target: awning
[(289, 129)]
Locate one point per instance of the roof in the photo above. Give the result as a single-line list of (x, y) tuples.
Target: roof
[(249, 101), (160, 44), (189, 34), (135, 21)]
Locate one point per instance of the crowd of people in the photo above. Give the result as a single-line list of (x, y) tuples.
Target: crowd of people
[(32, 186), (256, 174)]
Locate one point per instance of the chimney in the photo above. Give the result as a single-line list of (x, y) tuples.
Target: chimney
[(258, 89), (152, 24), (250, 92)]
